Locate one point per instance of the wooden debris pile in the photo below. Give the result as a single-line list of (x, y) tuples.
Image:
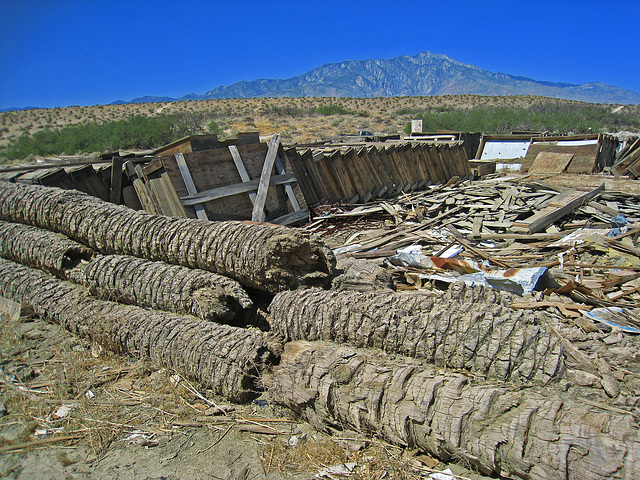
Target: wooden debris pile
[(448, 367), (628, 159), (361, 173), (472, 373), (567, 153)]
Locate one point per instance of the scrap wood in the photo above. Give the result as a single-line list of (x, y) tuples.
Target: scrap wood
[(565, 308), (620, 281), (622, 247), (623, 293), (582, 294), (480, 253), (260, 429), (39, 442), (534, 305), (550, 163), (556, 208)]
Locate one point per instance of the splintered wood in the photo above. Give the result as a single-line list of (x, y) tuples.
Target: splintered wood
[(578, 235)]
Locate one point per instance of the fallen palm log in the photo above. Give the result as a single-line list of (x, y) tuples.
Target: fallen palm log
[(223, 358), (265, 257), (466, 328), (38, 248), (162, 286), (526, 433)]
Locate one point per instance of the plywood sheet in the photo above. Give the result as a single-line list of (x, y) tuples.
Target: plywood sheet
[(584, 156), (550, 163)]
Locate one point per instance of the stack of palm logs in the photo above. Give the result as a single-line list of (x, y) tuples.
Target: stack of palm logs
[(459, 374), (193, 274)]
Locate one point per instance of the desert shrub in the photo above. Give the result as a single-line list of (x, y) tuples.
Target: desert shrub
[(285, 110), (134, 132), (541, 116), (214, 127), (333, 109)]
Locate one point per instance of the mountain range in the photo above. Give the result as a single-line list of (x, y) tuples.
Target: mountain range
[(423, 74)]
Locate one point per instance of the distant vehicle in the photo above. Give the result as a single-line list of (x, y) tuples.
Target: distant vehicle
[(365, 133)]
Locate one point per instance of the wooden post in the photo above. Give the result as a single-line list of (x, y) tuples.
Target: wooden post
[(261, 197), (191, 187), (115, 196)]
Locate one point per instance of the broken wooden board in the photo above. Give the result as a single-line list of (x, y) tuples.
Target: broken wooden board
[(555, 208), (584, 156), (550, 163), (258, 214)]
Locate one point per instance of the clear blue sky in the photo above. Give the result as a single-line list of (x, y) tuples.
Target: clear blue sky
[(88, 52)]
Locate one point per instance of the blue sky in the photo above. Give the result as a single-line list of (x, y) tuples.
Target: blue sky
[(71, 52)]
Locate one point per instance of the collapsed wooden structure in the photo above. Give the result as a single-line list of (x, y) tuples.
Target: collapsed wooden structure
[(333, 174), (589, 153), (628, 160)]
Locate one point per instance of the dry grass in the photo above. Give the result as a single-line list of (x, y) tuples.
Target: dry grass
[(107, 394), (378, 460)]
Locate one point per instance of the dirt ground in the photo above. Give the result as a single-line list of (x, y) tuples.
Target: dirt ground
[(71, 410)]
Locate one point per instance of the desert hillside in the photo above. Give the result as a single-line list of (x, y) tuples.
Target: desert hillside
[(303, 120)]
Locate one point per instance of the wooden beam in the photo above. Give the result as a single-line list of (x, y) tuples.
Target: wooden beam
[(235, 189), (287, 187), (244, 175), (556, 208), (115, 195), (263, 187), (293, 217), (142, 182), (188, 182)]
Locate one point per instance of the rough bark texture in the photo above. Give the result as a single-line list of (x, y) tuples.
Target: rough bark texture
[(466, 328), (40, 248), (224, 358), (528, 433), (162, 286), (265, 257)]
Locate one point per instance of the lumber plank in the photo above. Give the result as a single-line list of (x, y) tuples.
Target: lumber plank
[(115, 195), (556, 208), (188, 182), (244, 175), (235, 189), (258, 214), (550, 163), (287, 186)]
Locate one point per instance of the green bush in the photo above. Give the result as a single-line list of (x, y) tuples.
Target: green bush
[(540, 117), (135, 132), (333, 109), (213, 127)]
